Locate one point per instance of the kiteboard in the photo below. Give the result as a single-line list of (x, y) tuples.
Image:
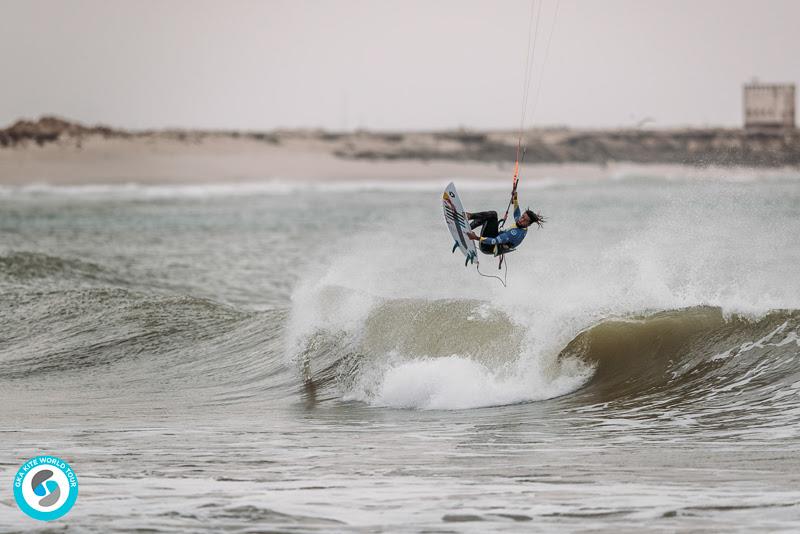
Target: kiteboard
[(457, 223)]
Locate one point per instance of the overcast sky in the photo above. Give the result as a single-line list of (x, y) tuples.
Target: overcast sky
[(389, 64)]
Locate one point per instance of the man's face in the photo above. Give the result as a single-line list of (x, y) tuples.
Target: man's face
[(524, 221)]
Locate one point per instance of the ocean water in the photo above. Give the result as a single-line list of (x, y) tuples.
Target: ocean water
[(313, 358)]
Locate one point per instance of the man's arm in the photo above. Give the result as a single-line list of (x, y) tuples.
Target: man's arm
[(501, 239), (517, 213)]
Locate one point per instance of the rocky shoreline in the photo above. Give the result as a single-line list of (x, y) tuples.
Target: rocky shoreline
[(718, 147)]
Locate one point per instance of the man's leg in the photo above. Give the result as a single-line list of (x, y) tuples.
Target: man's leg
[(478, 219), (491, 227)]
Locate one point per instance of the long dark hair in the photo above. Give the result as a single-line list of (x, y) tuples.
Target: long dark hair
[(535, 217)]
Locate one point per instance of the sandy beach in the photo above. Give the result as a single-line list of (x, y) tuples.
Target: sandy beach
[(57, 152), (212, 159)]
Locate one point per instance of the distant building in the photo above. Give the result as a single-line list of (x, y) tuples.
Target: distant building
[(769, 106)]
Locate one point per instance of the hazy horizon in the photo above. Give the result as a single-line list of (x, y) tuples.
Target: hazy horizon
[(391, 65)]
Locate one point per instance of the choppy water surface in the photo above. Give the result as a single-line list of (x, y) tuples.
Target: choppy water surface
[(315, 359)]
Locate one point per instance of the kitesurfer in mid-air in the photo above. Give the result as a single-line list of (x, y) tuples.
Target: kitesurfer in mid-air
[(494, 241)]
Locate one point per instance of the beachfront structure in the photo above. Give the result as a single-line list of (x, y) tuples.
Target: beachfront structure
[(769, 106)]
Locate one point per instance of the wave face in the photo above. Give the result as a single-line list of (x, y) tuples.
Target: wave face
[(695, 363), (69, 321)]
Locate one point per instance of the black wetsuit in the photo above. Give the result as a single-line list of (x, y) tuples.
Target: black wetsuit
[(490, 227), (492, 239)]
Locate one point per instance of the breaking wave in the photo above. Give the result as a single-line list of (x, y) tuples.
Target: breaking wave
[(455, 354)]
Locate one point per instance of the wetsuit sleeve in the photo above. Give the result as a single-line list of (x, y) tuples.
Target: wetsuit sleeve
[(517, 213), (501, 239)]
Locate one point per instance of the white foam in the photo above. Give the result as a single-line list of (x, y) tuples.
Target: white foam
[(457, 382), (286, 186), (451, 382)]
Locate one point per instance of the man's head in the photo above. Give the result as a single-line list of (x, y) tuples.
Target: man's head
[(530, 217)]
